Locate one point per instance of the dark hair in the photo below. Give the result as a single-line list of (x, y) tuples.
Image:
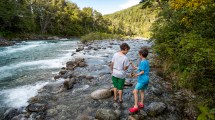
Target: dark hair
[(124, 46), (143, 52)]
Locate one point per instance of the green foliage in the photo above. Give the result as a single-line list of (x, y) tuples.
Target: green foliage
[(99, 36), (206, 113), (185, 34), (136, 20), (53, 17), (15, 16)]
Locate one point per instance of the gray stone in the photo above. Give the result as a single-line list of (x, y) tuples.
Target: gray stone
[(155, 108), (68, 83), (89, 77), (141, 115), (36, 107), (57, 77), (52, 112), (157, 91), (19, 117), (10, 113), (82, 64), (79, 49), (101, 94), (106, 114), (62, 72)]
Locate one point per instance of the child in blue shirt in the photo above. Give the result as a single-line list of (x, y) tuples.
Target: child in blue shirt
[(143, 80)]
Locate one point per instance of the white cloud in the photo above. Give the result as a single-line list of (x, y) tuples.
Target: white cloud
[(129, 3)]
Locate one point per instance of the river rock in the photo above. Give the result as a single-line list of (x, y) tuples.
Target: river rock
[(141, 115), (68, 83), (36, 107), (62, 72), (51, 112), (106, 114), (19, 117), (155, 108), (68, 74), (38, 116), (82, 64), (57, 77), (84, 117), (89, 77), (4, 42), (10, 113), (89, 48), (70, 63), (101, 94), (157, 91), (78, 62), (79, 49)]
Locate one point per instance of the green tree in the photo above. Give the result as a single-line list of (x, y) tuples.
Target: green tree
[(184, 33)]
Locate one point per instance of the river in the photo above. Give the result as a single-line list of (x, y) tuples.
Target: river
[(28, 66)]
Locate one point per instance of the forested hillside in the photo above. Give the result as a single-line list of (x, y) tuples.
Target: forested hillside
[(54, 17), (134, 21), (185, 35)]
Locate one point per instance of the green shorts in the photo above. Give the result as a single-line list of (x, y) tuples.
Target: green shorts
[(118, 83)]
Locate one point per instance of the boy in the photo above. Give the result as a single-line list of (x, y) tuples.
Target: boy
[(143, 80), (119, 64)]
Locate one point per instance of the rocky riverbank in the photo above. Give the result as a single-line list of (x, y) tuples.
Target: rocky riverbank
[(4, 42), (83, 90)]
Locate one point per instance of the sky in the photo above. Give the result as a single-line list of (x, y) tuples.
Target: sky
[(106, 6)]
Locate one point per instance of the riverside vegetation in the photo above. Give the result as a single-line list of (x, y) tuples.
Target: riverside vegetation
[(183, 33)]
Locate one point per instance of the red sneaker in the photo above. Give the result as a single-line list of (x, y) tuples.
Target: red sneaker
[(133, 109), (140, 105)]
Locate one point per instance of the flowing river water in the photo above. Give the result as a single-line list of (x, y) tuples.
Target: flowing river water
[(28, 66)]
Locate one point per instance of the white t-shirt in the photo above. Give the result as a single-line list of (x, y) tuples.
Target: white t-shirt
[(120, 61)]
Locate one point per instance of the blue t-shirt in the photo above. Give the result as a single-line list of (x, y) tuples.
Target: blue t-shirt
[(143, 66)]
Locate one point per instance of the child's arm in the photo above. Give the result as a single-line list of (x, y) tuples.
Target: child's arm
[(140, 73), (133, 66), (111, 67), (126, 67)]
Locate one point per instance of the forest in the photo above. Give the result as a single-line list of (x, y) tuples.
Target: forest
[(49, 17)]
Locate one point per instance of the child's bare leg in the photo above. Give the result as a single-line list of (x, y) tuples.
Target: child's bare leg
[(120, 95), (142, 96), (115, 93), (135, 98)]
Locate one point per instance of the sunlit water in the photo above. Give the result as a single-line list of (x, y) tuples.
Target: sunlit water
[(28, 66)]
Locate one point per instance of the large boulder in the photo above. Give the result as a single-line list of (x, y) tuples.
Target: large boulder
[(101, 94), (106, 114), (155, 108)]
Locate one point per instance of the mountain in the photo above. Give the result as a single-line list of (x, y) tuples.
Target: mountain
[(134, 21)]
